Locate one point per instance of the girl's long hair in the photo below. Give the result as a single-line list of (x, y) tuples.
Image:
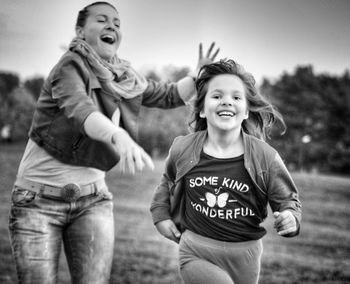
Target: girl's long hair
[(262, 114)]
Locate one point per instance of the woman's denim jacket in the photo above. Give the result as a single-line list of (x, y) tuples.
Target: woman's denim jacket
[(264, 165), (72, 92)]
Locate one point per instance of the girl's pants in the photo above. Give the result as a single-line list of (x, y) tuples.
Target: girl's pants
[(207, 261), (39, 225)]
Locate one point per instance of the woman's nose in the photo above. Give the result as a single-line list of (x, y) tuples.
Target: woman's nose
[(111, 27)]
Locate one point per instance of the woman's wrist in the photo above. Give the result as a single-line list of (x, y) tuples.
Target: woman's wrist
[(186, 88), (193, 75)]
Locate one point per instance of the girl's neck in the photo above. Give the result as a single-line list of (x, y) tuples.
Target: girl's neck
[(224, 144)]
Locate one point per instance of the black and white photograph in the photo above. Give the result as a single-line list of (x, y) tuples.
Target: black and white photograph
[(175, 142)]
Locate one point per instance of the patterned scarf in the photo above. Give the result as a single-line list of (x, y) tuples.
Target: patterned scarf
[(118, 78)]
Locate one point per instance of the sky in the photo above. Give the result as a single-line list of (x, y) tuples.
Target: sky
[(267, 37)]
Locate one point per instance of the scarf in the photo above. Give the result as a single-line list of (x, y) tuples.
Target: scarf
[(118, 78)]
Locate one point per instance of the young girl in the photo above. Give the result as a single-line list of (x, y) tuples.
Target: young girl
[(219, 179), (84, 123)]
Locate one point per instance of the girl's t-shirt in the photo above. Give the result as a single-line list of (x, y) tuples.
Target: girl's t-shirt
[(220, 200)]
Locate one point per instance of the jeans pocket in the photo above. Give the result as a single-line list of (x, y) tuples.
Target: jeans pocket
[(22, 197)]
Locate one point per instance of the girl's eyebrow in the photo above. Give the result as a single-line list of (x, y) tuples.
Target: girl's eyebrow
[(216, 90), (236, 92)]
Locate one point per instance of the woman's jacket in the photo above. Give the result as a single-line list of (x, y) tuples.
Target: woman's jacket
[(69, 95)]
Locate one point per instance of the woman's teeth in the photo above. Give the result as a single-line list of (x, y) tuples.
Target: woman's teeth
[(108, 39)]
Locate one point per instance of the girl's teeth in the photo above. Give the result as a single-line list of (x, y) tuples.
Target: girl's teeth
[(226, 113)]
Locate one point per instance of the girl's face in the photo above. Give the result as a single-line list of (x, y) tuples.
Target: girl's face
[(225, 103), (102, 30)]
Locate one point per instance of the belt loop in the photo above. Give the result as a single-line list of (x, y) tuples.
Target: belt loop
[(96, 188)]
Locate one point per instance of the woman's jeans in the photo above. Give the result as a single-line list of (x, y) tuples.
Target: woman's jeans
[(39, 225)]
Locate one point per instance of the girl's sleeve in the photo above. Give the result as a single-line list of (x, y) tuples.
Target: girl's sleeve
[(160, 204), (282, 191)]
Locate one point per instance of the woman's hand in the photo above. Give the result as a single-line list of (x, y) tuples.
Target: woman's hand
[(208, 58), (132, 156), (168, 229)]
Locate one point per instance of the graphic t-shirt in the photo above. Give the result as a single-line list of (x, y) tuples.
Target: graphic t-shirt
[(220, 200)]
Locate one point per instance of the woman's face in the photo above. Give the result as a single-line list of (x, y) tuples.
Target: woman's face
[(102, 30), (225, 103)]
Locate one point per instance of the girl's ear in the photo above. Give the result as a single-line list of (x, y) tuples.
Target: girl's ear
[(246, 115), (79, 31), (201, 114)]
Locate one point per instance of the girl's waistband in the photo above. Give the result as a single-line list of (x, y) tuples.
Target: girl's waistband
[(194, 237)]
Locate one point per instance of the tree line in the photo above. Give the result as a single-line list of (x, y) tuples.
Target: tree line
[(315, 107)]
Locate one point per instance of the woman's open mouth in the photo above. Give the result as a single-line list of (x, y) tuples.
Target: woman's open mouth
[(108, 39)]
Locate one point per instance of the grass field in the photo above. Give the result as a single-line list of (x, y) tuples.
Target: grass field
[(321, 254)]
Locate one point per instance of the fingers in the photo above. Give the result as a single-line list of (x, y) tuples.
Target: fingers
[(209, 57), (200, 51), (130, 163), (132, 157), (287, 231), (168, 229), (285, 222), (122, 165), (146, 159), (126, 161), (210, 49), (276, 214), (175, 231), (138, 160), (215, 54), (135, 160)]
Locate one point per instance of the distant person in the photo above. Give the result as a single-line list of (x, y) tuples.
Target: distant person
[(84, 123), (218, 181)]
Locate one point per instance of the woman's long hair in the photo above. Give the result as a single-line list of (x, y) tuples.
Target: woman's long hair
[(262, 114)]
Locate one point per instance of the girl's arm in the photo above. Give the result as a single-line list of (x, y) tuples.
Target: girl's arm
[(284, 200), (160, 205)]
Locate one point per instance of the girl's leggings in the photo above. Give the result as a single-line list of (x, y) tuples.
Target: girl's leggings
[(208, 261)]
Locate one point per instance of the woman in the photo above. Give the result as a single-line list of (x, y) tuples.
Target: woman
[(84, 123)]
